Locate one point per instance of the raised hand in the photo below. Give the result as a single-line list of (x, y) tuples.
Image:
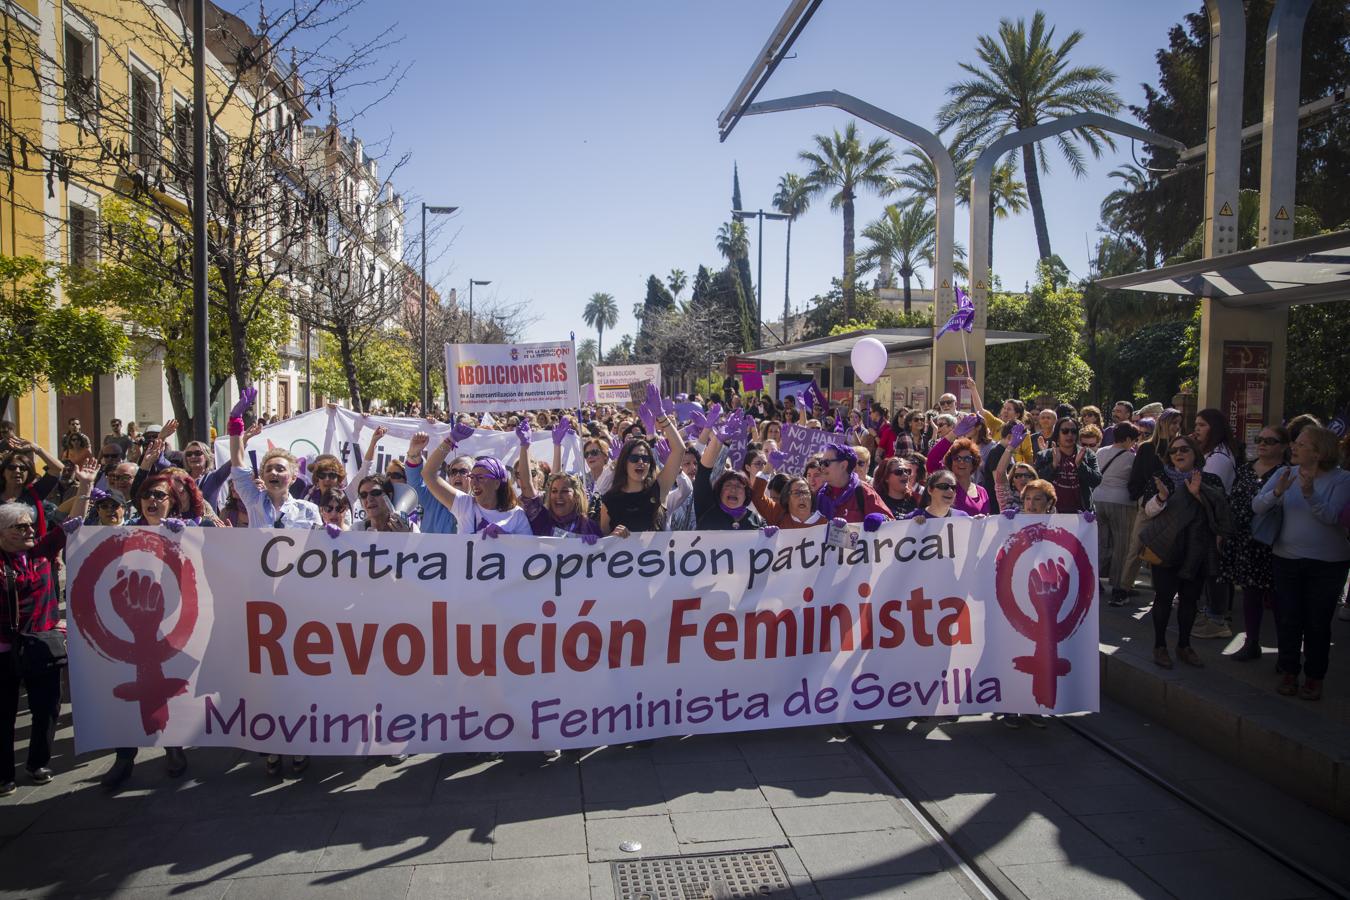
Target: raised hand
[(561, 431), (1048, 586), (418, 444), (615, 448), (1017, 434), (662, 450), (88, 472), (71, 524), (379, 433), (523, 432), (714, 414), (1193, 482), (461, 431), (966, 425), (252, 431), (777, 458), (1286, 480), (168, 431), (246, 398), (1161, 487), (648, 418)]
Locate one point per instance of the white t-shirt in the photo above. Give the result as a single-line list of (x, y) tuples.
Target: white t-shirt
[(471, 517), (1115, 486)]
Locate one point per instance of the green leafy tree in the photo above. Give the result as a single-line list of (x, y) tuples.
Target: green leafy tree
[(903, 237), (1318, 370), (386, 370), (657, 303), (1022, 78), (1007, 193), (677, 281), (792, 199), (588, 354), (48, 344), (1152, 359), (840, 167), (601, 312), (1051, 366), (158, 311)]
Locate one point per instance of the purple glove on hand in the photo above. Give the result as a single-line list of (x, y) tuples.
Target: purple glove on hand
[(714, 413), (1016, 435), (246, 398), (333, 530), (589, 538), (561, 431), (698, 422), (492, 530), (1088, 515), (777, 458), (1010, 513), (174, 525), (839, 522), (461, 432), (662, 450), (872, 521), (648, 418), (769, 530), (523, 432), (72, 524), (966, 425)]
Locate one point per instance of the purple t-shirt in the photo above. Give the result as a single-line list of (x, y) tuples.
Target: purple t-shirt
[(543, 522)]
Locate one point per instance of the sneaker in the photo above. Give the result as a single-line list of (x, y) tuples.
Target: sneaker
[(1250, 650), (1118, 598), (1288, 685), (1037, 722), (299, 764), (1209, 628), (1312, 689), (8, 788), (1162, 658), (1190, 657), (40, 775), (175, 761), (1011, 721), (272, 765), (119, 772)]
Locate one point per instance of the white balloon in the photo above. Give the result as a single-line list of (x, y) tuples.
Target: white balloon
[(869, 359)]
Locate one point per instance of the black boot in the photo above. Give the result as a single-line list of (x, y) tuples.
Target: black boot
[(1250, 650), (120, 772)]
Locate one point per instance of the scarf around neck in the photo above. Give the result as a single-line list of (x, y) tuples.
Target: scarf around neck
[(827, 504)]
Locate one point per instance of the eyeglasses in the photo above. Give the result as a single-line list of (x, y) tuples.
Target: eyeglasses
[(1269, 442), (1179, 451), (825, 461), (945, 486), (335, 508), (801, 493), (327, 476), (157, 496), (396, 476), (946, 403), (640, 460), (117, 476), (366, 495), (965, 458), (593, 452), (459, 472), (903, 473)]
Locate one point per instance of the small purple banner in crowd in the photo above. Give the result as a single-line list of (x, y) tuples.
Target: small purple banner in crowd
[(800, 444)]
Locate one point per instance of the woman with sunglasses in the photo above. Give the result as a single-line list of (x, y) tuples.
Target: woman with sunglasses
[(637, 497), (598, 476), (911, 438), (958, 454), (939, 498), (894, 483), (1071, 468), (1009, 485), (376, 495), (1115, 510), (1311, 556), (211, 480), (22, 484), (106, 509), (335, 509), (680, 514), (1244, 562), (490, 503), (1184, 512), (844, 495)]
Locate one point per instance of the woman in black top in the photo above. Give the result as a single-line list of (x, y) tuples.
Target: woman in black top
[(636, 500), (724, 505)]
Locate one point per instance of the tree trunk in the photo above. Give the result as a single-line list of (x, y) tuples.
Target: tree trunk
[(600, 343), (905, 274), (349, 368), (848, 256), (178, 400), (1033, 177), (787, 280)]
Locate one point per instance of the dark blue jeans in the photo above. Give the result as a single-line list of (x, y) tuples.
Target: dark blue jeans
[(1306, 593)]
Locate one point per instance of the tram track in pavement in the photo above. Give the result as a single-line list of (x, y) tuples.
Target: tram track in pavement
[(988, 881)]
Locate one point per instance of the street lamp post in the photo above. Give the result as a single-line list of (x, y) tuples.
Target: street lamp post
[(472, 282), (435, 211), (759, 279), (201, 367)]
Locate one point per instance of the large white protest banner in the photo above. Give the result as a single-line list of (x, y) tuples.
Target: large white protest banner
[(507, 377), (345, 434), (297, 642), (611, 382)]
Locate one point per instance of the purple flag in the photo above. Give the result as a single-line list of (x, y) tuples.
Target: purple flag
[(964, 317)]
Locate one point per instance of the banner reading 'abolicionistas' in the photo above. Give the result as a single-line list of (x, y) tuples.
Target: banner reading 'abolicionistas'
[(295, 642), (508, 377)]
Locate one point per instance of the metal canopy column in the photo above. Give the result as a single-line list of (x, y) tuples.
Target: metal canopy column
[(944, 303)]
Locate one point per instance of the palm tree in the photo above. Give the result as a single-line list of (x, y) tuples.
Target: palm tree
[(840, 166), (792, 198), (1022, 80), (677, 281), (732, 241), (601, 312), (1007, 195), (905, 236), (588, 354)]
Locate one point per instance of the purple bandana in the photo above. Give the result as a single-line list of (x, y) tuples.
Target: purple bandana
[(492, 466)]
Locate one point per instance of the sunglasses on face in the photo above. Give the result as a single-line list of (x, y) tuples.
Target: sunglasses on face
[(188, 454), (117, 476), (829, 462), (16, 467), (903, 473), (945, 486), (157, 496), (459, 472), (366, 495), (326, 476), (640, 460), (335, 508), (965, 458), (396, 476), (946, 403), (1179, 451), (1068, 431), (1017, 475), (1269, 441), (593, 452)]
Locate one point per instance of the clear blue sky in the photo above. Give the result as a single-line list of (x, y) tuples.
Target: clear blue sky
[(580, 141)]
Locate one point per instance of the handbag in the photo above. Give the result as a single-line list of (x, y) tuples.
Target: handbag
[(35, 652), (1266, 525)]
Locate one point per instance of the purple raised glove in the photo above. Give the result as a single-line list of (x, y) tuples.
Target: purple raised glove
[(648, 418), (492, 530), (777, 458), (769, 530), (966, 425), (731, 430), (662, 450), (561, 431), (615, 447), (872, 521), (174, 525), (668, 407), (698, 422), (333, 530), (714, 413), (303, 466), (461, 432), (523, 432), (589, 538), (1088, 515), (838, 424), (246, 398), (72, 524), (1010, 513), (1016, 435), (693, 431)]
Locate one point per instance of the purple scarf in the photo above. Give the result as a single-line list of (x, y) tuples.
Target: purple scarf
[(734, 511), (827, 504)]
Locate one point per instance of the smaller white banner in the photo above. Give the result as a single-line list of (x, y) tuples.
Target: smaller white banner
[(611, 382), (507, 377)]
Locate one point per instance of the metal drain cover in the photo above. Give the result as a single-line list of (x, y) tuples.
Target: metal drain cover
[(716, 876)]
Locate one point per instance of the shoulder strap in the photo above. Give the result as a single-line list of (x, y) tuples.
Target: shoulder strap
[(1111, 460)]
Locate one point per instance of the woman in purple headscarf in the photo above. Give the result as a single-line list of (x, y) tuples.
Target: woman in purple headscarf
[(490, 503)]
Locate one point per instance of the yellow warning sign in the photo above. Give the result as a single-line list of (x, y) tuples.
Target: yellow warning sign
[(1282, 214), (979, 285), (946, 284), (1226, 210)]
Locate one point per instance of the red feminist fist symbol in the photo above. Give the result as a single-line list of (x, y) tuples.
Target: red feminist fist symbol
[(1047, 590), (138, 600)]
